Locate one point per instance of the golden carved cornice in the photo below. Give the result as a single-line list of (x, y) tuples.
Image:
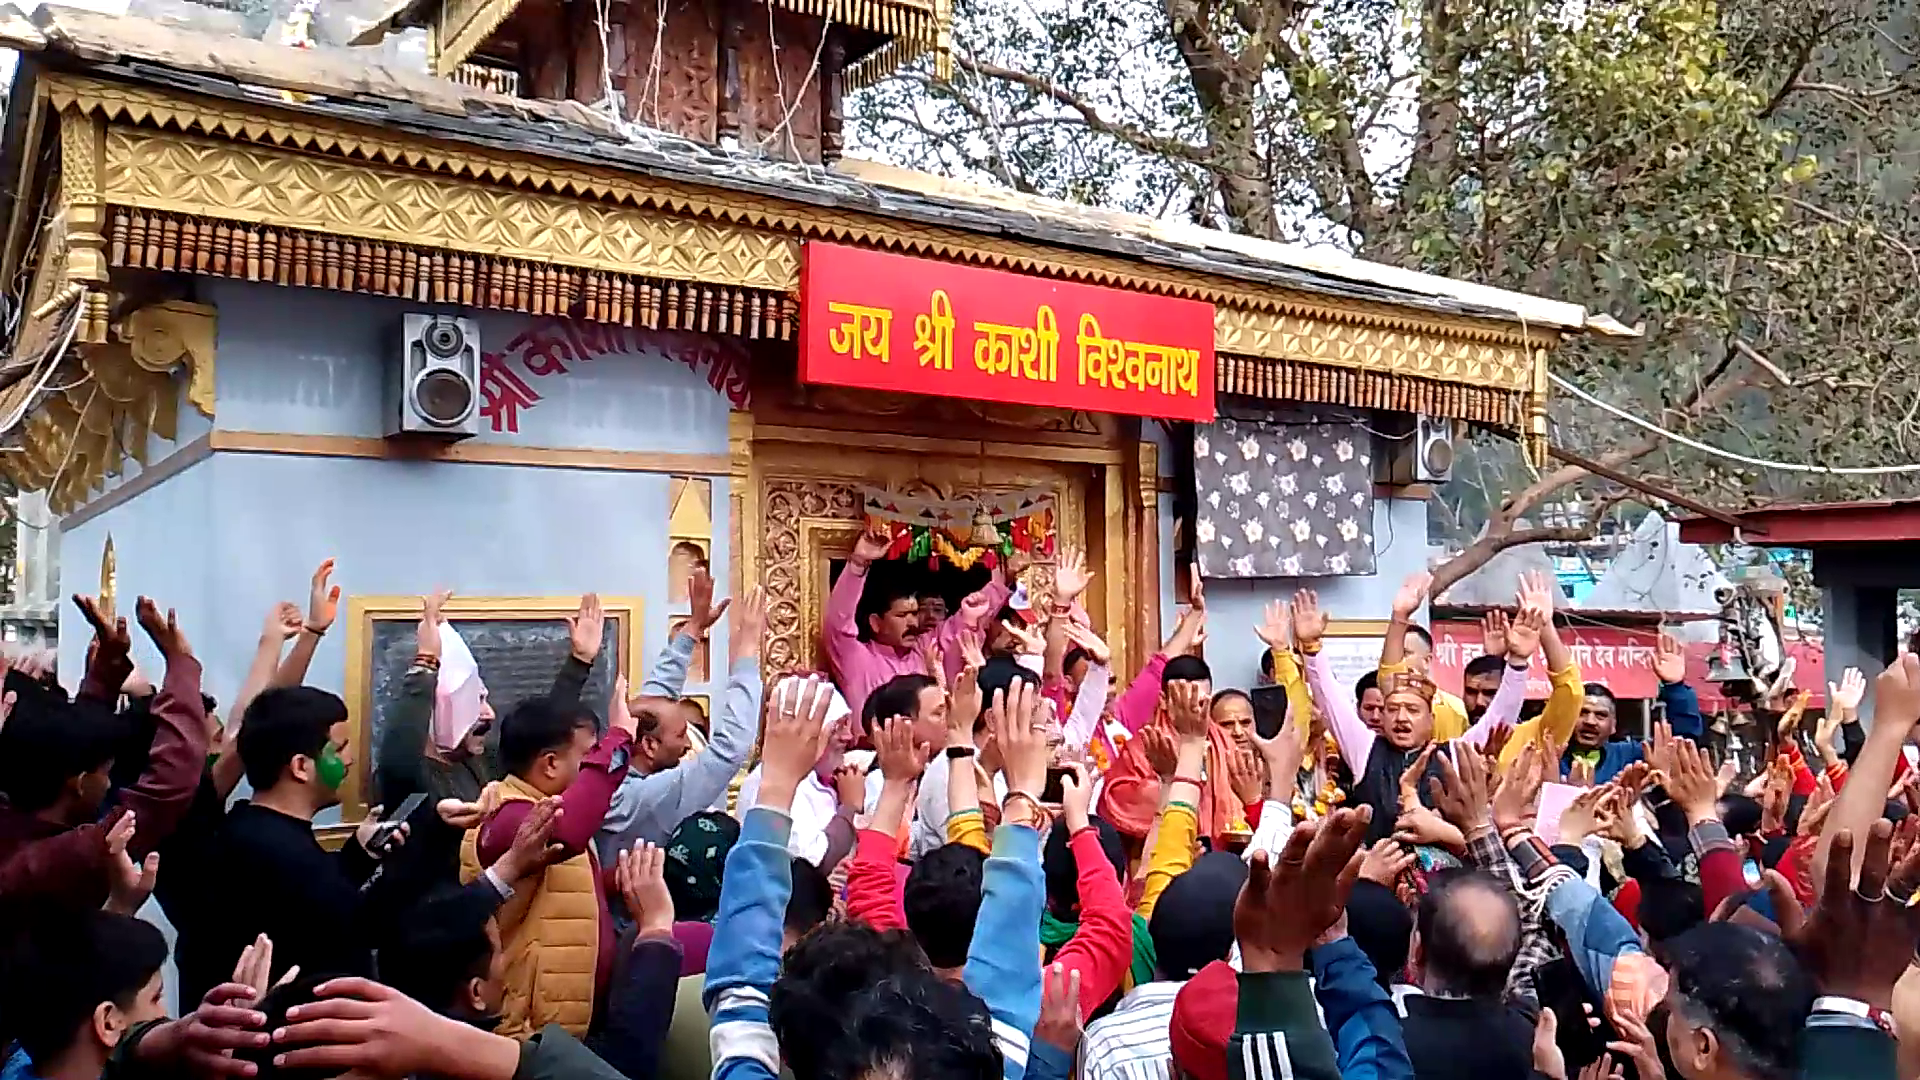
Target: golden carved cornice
[(1288, 336), (233, 182), (267, 127)]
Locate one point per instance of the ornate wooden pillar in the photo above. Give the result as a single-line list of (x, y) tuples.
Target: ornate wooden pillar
[(728, 129), (82, 158), (1147, 572), (743, 505)]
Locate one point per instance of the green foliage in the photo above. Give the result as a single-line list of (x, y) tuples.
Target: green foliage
[(1736, 177)]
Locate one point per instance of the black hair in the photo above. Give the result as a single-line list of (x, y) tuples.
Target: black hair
[(1460, 952), (1368, 681), (1421, 632), (1075, 655), (1063, 871), (1740, 813), (1226, 694), (1748, 988), (68, 966), (440, 945), (1671, 910), (1186, 669), (47, 744), (281, 724), (811, 899), (881, 593), (942, 900), (997, 677), (912, 1026), (1594, 689), (898, 696), (1895, 811), (1266, 663), (275, 1005), (1192, 926), (1382, 926), (821, 976), (534, 727), (1484, 665)]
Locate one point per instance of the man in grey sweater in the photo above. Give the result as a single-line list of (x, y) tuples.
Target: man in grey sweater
[(663, 786)]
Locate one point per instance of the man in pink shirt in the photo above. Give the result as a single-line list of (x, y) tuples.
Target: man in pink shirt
[(864, 656)]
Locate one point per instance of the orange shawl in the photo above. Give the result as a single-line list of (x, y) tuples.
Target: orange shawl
[(1132, 795)]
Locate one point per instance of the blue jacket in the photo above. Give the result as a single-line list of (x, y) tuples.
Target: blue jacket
[(1002, 965), (1683, 713), (1366, 1030)]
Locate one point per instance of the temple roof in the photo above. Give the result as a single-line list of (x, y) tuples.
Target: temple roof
[(374, 87)]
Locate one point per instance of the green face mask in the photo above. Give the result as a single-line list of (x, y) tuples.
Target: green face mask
[(331, 771)]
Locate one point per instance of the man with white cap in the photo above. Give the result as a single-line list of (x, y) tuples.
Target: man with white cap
[(816, 805)]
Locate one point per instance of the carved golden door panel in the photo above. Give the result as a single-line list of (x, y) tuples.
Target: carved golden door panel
[(811, 511)]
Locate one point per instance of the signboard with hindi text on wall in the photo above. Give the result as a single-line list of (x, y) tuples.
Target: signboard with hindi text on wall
[(881, 321)]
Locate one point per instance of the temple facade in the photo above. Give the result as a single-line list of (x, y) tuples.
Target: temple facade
[(695, 334)]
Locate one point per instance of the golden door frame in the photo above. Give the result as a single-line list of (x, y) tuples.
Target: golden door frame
[(796, 504)]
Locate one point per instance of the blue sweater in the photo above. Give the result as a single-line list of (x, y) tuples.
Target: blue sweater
[(1002, 964), (1366, 1030), (1683, 712)]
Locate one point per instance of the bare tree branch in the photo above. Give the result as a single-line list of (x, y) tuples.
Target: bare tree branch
[(1090, 115)]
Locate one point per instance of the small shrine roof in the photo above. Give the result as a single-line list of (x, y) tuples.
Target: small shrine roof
[(368, 86)]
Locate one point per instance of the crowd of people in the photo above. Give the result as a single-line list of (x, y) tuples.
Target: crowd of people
[(957, 853)]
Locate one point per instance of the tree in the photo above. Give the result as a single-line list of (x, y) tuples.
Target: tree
[(1730, 176)]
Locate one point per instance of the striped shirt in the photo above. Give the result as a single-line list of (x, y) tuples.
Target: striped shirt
[(1132, 1042)]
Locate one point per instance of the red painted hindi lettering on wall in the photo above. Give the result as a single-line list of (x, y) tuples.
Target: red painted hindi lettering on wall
[(552, 347), (881, 321)]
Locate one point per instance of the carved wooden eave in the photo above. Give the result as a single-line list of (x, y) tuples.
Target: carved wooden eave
[(462, 196), (902, 31)]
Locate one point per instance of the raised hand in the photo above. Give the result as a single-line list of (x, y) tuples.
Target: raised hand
[(427, 634), (796, 732), (1247, 776), (1282, 754), (747, 624), (1076, 798), (132, 882), (640, 874), (702, 611), (1163, 754), (1493, 632), (203, 1042), (1613, 817), (1581, 818), (1060, 1026), (1412, 593), (1288, 902), (284, 622), (1275, 624), (1410, 778), (1422, 826), (619, 714), (1669, 660), (1020, 732), (323, 599), (900, 758), (586, 629), (1846, 697), (973, 652), (1896, 693), (1691, 782), (255, 971), (532, 849), (1031, 643), (871, 545), (1462, 792), (1196, 589), (1858, 940), (110, 639), (1071, 577), (1523, 634), (1385, 861), (1187, 706), (963, 706), (1517, 799), (164, 630), (1091, 643), (1309, 622)]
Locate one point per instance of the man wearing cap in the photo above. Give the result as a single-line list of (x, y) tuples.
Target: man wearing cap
[(1377, 761)]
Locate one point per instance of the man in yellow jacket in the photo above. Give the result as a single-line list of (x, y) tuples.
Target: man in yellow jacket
[(1409, 647)]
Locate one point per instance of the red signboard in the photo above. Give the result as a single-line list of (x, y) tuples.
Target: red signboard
[(891, 322), (1618, 658)]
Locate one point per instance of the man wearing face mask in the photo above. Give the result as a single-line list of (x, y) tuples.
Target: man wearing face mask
[(1407, 725)]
